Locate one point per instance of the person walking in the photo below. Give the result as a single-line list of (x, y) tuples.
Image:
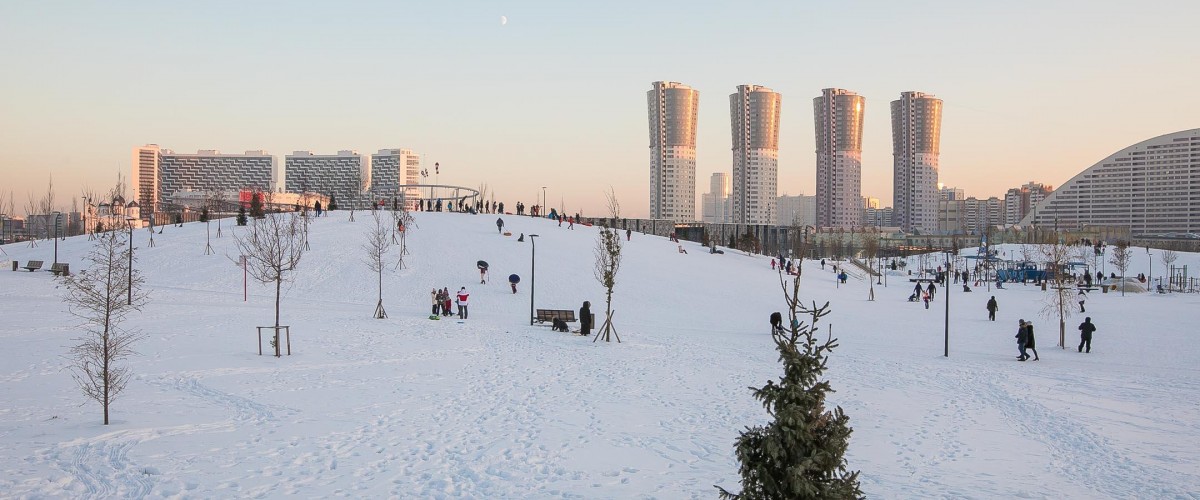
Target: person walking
[(513, 280), (585, 318), (932, 291), (1029, 341), (500, 225), (462, 302), (991, 308), (1082, 298), (1022, 339), (628, 234), (917, 289), (1085, 334)]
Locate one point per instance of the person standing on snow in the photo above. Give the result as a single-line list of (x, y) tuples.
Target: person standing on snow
[(1022, 340), (1029, 342), (585, 319), (500, 225), (628, 234), (1085, 334), (991, 308), (462, 302), (1082, 297), (437, 302)]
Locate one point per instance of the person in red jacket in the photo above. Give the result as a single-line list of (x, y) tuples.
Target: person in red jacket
[(462, 302)]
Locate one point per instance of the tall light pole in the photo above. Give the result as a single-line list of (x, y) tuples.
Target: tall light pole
[(129, 297), (57, 218), (542, 210), (946, 290), (1149, 279), (532, 276)]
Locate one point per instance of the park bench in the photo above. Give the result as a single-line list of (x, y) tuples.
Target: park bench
[(60, 269), (33, 265), (549, 315)]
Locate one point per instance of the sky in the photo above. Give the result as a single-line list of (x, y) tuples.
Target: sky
[(556, 97)]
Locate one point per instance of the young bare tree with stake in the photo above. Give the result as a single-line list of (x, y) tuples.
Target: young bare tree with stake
[(608, 262), (1121, 257), (1060, 296), (377, 246), (102, 296), (1168, 257), (272, 249)]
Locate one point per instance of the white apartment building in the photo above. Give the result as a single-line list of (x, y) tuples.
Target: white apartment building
[(754, 119), (916, 137), (1152, 187), (343, 176), (672, 109), (799, 210), (839, 128), (715, 204)]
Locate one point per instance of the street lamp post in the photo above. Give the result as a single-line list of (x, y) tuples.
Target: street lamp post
[(532, 276), (129, 287), (542, 211), (1150, 278), (946, 290), (57, 218)]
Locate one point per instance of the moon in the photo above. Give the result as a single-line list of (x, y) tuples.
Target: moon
[(503, 20)]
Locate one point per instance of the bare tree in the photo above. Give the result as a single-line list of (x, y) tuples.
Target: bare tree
[(102, 296), (1059, 300), (402, 222), (377, 246), (608, 262), (31, 209), (1168, 257), (870, 246), (1121, 257), (272, 249)]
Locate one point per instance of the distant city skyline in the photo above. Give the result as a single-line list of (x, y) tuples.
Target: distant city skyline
[(554, 97)]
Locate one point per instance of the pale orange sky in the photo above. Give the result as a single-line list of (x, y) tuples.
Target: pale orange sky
[(1033, 91)]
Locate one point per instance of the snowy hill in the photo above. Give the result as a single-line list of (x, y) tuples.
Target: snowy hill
[(491, 407)]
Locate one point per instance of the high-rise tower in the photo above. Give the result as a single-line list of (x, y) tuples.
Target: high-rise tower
[(916, 135), (839, 127), (754, 120), (672, 107)]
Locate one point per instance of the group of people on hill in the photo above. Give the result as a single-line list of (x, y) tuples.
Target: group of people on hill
[(442, 301)]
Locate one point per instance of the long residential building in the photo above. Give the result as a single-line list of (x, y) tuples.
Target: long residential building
[(672, 111), (160, 173), (391, 168), (1152, 188), (754, 121), (839, 129), (343, 176), (916, 138)]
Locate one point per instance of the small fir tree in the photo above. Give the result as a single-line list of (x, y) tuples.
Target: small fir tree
[(241, 217), (801, 454), (332, 203), (256, 205), (203, 214)]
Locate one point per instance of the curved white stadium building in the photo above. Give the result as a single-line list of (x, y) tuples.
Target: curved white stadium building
[(1152, 187)]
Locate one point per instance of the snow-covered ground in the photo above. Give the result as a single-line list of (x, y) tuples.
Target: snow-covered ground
[(491, 407)]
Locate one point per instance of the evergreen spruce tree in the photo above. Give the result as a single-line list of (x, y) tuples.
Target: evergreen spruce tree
[(801, 454), (332, 203), (241, 217), (204, 214), (256, 205)]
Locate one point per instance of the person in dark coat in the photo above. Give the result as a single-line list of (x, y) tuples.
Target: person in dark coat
[(776, 322), (1029, 341), (585, 318), (1085, 334), (1022, 339), (991, 308), (499, 224), (932, 291)]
